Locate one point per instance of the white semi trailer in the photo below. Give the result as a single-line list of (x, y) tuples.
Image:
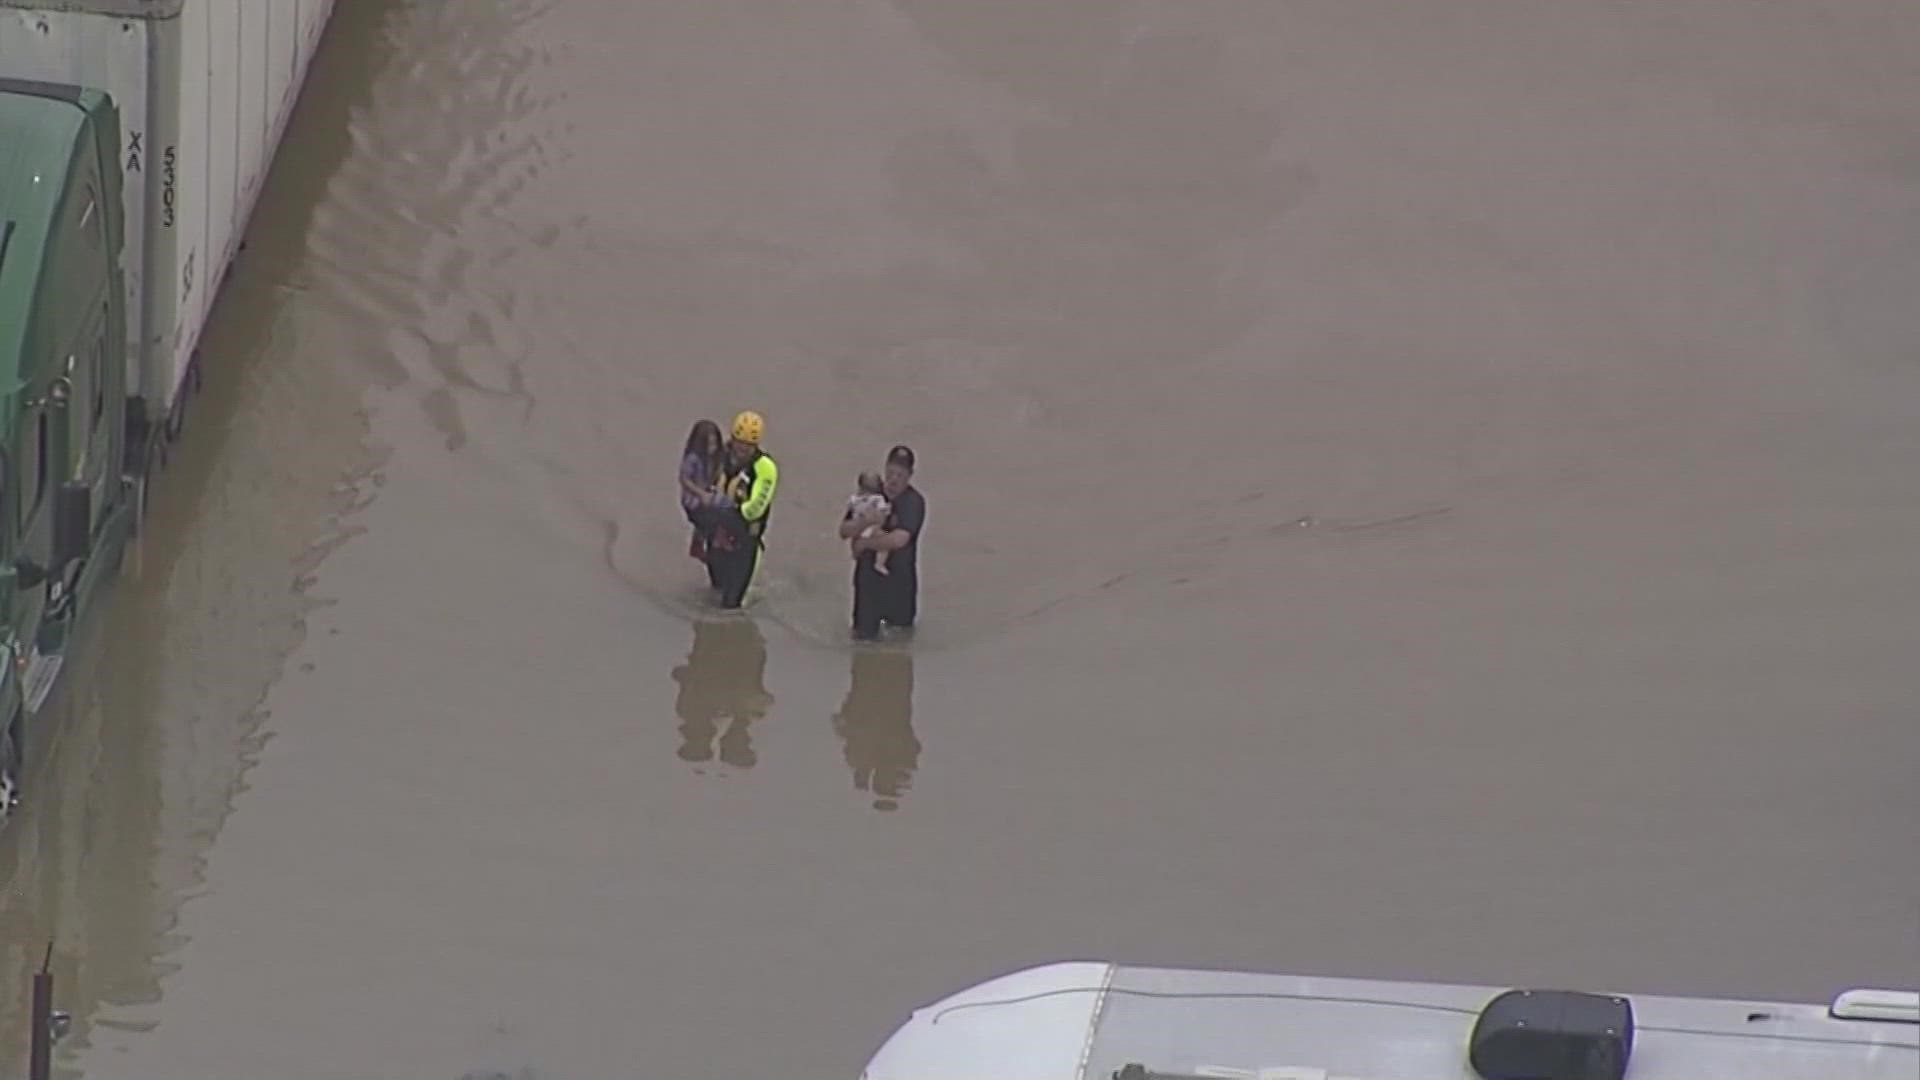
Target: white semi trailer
[(1093, 1020), (135, 136)]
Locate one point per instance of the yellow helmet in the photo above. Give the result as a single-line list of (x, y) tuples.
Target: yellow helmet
[(748, 427)]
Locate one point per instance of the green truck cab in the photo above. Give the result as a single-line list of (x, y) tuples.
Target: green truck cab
[(64, 493)]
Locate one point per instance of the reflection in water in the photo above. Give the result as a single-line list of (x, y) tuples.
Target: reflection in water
[(875, 725), (724, 678)]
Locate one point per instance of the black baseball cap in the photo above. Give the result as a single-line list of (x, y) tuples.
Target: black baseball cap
[(901, 455)]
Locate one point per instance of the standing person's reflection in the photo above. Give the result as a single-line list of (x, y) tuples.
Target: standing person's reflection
[(723, 679), (875, 725)]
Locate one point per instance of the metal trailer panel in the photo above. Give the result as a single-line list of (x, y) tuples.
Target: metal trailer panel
[(170, 199), (107, 54), (132, 9), (226, 54), (205, 89), (254, 25), (210, 94), (233, 70)]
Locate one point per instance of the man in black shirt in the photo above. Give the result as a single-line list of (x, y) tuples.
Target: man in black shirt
[(893, 597)]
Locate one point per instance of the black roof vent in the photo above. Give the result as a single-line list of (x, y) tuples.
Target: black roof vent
[(1553, 1035)]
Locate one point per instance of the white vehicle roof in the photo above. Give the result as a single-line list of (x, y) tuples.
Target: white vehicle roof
[(1091, 1021)]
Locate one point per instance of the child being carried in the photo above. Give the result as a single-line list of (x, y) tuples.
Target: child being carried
[(870, 502)]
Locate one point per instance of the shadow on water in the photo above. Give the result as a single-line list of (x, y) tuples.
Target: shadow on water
[(875, 724), (157, 717), (723, 693)]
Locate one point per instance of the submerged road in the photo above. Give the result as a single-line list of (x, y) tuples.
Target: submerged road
[(1416, 490)]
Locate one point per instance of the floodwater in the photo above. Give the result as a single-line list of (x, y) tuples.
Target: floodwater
[(1415, 490)]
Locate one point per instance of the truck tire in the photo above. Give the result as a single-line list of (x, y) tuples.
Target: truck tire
[(10, 770)]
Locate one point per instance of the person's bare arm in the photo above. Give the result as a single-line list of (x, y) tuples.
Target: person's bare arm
[(908, 518), (889, 540)]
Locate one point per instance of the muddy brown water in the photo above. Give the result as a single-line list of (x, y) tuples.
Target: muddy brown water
[(1423, 491)]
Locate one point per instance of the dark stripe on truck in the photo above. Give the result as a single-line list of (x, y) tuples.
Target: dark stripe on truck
[(36, 88), (6, 241)]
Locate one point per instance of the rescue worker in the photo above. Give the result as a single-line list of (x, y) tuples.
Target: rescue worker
[(747, 479)]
